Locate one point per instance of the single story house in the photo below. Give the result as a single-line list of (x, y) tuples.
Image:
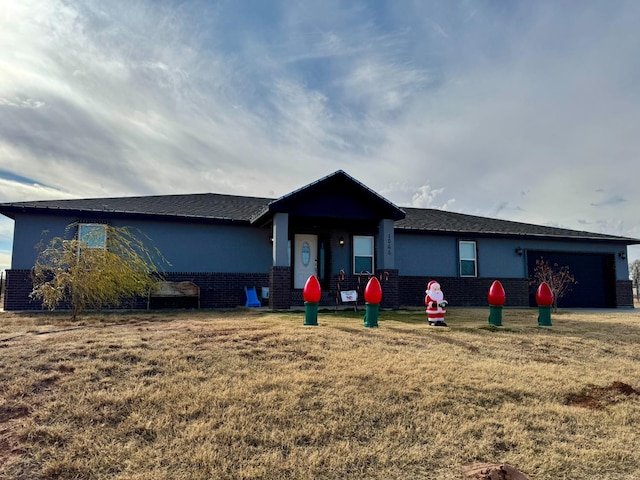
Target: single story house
[(339, 230)]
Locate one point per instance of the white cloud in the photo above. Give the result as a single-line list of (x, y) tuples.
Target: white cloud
[(5, 260), (425, 197), (425, 103), (16, 191)]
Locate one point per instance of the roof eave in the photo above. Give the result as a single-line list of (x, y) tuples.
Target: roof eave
[(585, 238), (12, 210)]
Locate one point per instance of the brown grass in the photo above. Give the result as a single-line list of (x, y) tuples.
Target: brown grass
[(257, 395)]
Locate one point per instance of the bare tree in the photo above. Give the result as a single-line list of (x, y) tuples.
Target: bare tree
[(91, 273), (634, 273), (559, 279)]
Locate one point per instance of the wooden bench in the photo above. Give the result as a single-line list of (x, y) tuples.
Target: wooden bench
[(174, 290)]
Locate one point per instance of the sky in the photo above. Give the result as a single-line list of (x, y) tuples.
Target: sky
[(517, 110)]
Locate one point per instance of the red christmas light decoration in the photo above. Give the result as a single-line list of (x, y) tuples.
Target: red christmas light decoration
[(496, 294), (544, 295), (373, 291), (312, 291)]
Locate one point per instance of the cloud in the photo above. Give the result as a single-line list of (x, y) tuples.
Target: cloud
[(426, 103), (19, 102), (425, 198), (5, 259), (505, 208), (15, 190), (18, 190), (612, 200)]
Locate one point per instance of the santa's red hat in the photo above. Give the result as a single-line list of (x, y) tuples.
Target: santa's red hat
[(431, 284)]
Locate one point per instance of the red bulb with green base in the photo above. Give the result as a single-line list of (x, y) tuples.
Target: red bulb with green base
[(311, 293), (544, 299), (496, 298), (372, 298)]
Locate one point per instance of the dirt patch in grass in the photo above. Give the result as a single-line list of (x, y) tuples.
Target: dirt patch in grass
[(12, 412), (9, 442), (597, 398), (493, 471)]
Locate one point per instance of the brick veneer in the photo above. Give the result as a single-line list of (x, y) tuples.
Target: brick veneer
[(217, 290), (18, 288), (221, 290), (464, 292), (226, 290), (280, 288), (388, 281), (624, 293)]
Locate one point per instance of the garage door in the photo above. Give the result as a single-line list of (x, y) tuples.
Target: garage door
[(595, 274)]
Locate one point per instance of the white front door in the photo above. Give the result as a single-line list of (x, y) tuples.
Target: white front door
[(305, 259)]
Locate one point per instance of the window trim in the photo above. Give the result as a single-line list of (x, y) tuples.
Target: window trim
[(474, 259), (372, 256), (103, 245)]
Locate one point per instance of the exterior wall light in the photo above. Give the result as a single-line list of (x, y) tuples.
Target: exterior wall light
[(341, 241), (622, 254), (519, 251)]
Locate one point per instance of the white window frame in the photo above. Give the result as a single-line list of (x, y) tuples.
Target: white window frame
[(473, 259), (89, 227), (360, 255)]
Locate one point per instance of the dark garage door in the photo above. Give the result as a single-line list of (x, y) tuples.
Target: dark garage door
[(595, 274)]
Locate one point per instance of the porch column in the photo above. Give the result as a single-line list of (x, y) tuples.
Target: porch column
[(386, 245), (280, 273), (386, 269), (281, 240)]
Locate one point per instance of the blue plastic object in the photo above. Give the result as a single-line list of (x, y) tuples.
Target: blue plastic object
[(252, 297)]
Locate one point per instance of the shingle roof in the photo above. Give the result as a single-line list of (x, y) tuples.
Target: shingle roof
[(210, 206), (232, 208), (440, 221), (338, 181)]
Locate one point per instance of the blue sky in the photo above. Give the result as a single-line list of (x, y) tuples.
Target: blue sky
[(519, 110)]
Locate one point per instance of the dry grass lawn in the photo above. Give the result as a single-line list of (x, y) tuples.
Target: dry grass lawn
[(257, 395)]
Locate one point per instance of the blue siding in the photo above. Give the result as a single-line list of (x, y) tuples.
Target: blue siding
[(498, 259), (246, 249), (28, 231), (421, 255), (341, 255), (188, 247), (424, 255), (211, 248)]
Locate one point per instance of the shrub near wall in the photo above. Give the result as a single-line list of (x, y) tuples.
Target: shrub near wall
[(217, 290)]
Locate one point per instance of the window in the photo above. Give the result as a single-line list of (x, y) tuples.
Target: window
[(362, 254), (93, 235), (468, 261)]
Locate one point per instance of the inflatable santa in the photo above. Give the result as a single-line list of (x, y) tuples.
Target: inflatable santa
[(436, 304)]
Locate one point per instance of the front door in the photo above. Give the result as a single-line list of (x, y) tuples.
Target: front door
[(305, 261)]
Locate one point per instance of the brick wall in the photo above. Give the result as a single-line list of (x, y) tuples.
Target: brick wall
[(221, 290), (624, 293), (463, 292), (18, 288), (280, 288), (226, 290), (388, 281), (217, 290)]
